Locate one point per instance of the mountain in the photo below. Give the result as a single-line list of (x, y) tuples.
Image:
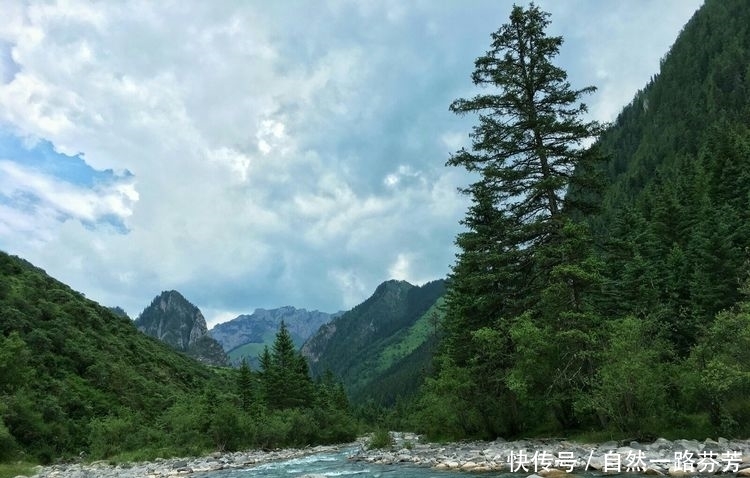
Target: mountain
[(247, 335), (175, 321), (387, 336), (675, 222), (75, 376), (658, 319)]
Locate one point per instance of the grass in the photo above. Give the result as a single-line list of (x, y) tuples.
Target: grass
[(689, 426), (252, 350), (381, 439), (11, 470), (415, 336)]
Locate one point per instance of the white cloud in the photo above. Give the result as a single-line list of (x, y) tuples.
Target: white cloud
[(279, 156), (400, 269), (403, 174), (454, 140), (350, 286), (65, 199), (270, 134), (620, 49)]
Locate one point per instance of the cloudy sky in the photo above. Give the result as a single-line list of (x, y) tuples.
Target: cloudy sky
[(259, 154)]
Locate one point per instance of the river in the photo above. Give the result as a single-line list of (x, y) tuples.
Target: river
[(335, 464)]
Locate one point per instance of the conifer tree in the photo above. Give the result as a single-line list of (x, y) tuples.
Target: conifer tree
[(245, 386), (524, 257), (285, 374)]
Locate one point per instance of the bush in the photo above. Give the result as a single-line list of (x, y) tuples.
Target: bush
[(632, 381), (381, 439), (7, 443), (126, 435)]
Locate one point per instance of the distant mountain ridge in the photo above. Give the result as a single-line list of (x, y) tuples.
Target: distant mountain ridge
[(172, 319), (247, 334), (384, 340)]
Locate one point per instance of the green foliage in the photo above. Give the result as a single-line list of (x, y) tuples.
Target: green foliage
[(12, 470), (381, 439), (633, 381), (381, 349), (721, 361), (76, 377), (8, 446), (562, 316), (447, 406), (14, 363), (285, 376), (247, 387), (520, 307), (679, 165), (110, 435)]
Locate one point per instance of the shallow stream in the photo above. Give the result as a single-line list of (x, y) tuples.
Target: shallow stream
[(336, 464)]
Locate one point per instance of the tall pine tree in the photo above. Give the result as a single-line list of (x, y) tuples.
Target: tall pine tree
[(285, 374), (525, 265)]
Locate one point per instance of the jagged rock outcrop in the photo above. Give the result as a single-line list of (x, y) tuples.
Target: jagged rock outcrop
[(174, 320)]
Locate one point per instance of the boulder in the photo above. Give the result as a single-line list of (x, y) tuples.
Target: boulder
[(679, 471), (553, 473), (469, 466)]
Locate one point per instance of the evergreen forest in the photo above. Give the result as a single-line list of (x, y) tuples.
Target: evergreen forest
[(602, 281)]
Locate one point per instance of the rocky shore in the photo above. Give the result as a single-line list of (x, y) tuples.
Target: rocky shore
[(554, 458), (178, 466), (538, 458)]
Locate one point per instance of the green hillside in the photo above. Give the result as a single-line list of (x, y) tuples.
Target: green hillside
[(251, 351), (675, 226), (76, 377), (410, 339), (376, 338), (402, 365), (74, 373)]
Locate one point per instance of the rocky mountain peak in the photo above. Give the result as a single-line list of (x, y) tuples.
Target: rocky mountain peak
[(172, 319)]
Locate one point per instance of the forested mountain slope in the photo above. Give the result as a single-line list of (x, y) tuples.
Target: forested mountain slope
[(70, 369), (675, 224), (622, 305), (76, 377), (377, 339)]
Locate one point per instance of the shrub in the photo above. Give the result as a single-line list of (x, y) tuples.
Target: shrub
[(381, 439)]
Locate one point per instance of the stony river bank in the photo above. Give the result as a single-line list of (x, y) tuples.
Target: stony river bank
[(550, 458), (180, 466), (556, 457)]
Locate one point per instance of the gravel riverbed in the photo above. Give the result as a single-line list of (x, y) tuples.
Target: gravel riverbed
[(179, 466), (557, 457), (547, 458)]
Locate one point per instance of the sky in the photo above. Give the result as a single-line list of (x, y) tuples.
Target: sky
[(260, 154)]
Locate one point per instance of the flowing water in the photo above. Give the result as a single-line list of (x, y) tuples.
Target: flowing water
[(336, 464)]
